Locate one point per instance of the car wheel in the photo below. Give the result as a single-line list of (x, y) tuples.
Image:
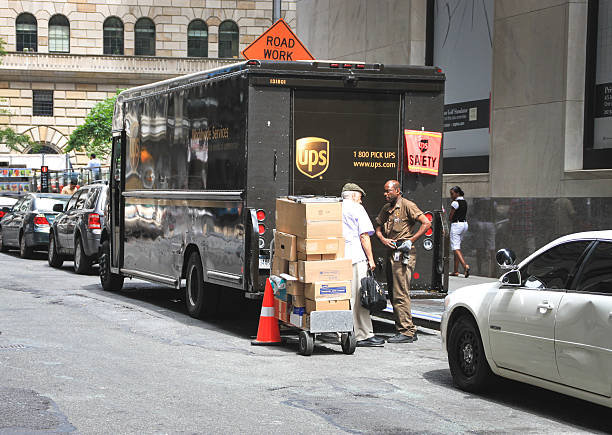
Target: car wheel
[(110, 281), (53, 258), (3, 247), (25, 251), (466, 358), (201, 300), (82, 263)]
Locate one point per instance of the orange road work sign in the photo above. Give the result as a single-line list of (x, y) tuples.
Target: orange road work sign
[(277, 43), (422, 151)]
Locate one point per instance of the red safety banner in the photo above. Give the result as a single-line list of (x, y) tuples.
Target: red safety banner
[(422, 151)]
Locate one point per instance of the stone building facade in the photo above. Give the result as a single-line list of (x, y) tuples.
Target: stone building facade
[(71, 54), (545, 168)]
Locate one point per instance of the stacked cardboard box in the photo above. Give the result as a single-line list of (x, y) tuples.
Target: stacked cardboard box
[(309, 247)]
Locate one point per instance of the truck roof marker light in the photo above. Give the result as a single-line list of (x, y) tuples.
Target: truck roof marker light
[(347, 65), (360, 66), (261, 215), (262, 229), (40, 219), (439, 70), (253, 63), (334, 65)]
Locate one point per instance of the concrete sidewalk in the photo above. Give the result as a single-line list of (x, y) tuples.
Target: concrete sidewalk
[(427, 311)]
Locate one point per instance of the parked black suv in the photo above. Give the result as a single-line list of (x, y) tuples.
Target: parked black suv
[(76, 232)]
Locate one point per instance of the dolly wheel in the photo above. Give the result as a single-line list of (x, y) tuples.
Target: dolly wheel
[(348, 342), (306, 343)]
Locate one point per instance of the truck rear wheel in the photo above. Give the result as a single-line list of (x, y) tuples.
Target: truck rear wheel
[(110, 281), (201, 300)]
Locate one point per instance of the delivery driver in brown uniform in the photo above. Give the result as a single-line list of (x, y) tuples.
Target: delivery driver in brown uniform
[(395, 228)]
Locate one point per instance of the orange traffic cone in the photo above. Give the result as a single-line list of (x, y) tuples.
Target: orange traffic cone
[(267, 332)]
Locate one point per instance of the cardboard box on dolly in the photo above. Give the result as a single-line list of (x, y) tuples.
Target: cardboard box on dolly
[(309, 247)]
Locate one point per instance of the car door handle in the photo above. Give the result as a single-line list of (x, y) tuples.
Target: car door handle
[(544, 307)]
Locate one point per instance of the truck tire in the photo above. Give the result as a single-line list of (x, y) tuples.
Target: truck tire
[(82, 263), (110, 281), (466, 358), (53, 258), (201, 300)]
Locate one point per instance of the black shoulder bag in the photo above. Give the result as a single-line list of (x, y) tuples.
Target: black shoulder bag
[(372, 294)]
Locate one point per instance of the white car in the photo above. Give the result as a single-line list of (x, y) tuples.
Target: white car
[(546, 322)]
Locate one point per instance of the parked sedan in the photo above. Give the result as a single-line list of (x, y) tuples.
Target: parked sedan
[(75, 233), (546, 322), (26, 225), (7, 200)]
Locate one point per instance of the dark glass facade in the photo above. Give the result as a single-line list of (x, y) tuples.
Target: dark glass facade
[(524, 225)]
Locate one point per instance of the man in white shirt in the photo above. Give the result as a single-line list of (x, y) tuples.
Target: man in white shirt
[(94, 166), (357, 229)]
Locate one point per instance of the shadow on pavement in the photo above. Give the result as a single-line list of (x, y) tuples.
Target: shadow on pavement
[(544, 403)]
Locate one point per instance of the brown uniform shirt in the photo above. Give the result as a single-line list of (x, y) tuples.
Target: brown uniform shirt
[(398, 221)]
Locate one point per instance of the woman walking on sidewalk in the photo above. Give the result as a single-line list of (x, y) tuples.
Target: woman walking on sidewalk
[(459, 226)]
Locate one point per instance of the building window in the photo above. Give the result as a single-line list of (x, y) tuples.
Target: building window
[(59, 34), (42, 103), (144, 44), (197, 39), (598, 96), (27, 33), (228, 39), (464, 50), (113, 36)]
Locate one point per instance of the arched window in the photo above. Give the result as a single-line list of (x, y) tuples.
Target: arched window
[(144, 37), (27, 32), (228, 39), (113, 36), (197, 39), (59, 34)]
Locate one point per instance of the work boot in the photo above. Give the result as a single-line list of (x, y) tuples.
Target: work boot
[(401, 338), (373, 341)]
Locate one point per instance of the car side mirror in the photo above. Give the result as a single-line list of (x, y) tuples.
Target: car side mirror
[(512, 278), (58, 207), (506, 259)]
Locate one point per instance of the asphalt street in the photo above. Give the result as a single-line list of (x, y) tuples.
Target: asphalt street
[(76, 359)]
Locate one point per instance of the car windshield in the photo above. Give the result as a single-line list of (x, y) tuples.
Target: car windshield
[(46, 204)]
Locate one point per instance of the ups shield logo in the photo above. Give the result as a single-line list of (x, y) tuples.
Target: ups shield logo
[(312, 156)]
